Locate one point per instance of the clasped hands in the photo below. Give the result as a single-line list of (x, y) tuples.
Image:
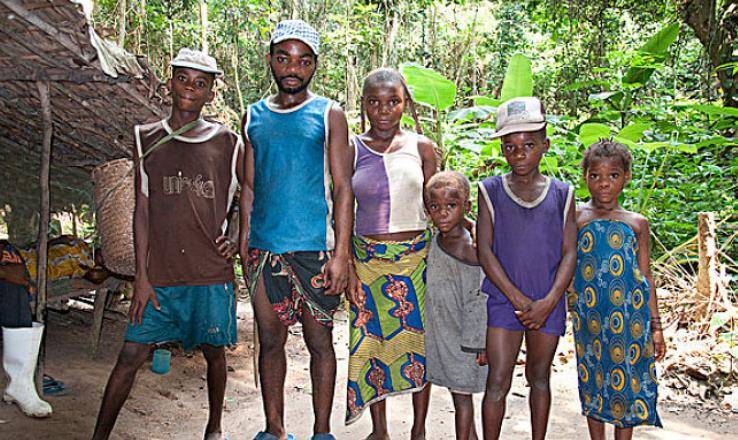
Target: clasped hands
[(533, 314)]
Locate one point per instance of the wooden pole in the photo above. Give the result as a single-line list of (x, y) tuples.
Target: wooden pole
[(708, 273), (44, 211), (43, 223)]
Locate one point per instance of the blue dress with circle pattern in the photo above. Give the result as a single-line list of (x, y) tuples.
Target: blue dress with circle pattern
[(612, 334)]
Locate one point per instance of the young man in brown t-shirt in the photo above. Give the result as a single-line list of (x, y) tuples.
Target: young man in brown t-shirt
[(184, 273)]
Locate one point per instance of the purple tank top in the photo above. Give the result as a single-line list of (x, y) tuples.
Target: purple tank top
[(527, 241)]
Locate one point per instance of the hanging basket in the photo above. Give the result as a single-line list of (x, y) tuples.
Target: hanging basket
[(114, 201)]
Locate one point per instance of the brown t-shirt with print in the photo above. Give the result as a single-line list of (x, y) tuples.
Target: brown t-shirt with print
[(189, 183)]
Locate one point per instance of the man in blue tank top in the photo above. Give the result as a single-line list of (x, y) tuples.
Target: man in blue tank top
[(298, 204)]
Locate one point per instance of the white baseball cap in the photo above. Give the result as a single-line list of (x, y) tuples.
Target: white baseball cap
[(519, 115), (296, 30), (198, 60)]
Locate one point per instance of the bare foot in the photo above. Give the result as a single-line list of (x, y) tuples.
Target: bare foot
[(419, 436), (217, 435)]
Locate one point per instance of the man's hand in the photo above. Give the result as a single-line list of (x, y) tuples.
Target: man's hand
[(534, 317), (143, 292), (226, 247), (659, 345), (482, 358), (336, 275)]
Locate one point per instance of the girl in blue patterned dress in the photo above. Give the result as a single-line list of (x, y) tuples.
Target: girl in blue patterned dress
[(617, 329)]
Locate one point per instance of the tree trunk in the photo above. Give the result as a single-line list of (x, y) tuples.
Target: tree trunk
[(708, 272), (121, 22), (141, 24), (717, 30), (204, 25)]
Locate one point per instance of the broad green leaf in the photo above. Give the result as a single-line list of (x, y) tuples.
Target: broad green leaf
[(486, 100), (633, 132), (714, 109), (471, 145), (518, 78), (592, 132), (429, 87), (687, 148), (651, 146), (625, 141), (716, 140), (468, 113), (491, 149), (718, 320), (549, 165), (603, 96), (656, 49), (408, 121)]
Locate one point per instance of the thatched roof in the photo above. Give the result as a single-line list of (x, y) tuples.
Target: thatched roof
[(98, 92)]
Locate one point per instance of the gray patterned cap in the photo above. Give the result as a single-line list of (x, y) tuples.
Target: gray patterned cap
[(296, 30), (518, 115), (195, 59)]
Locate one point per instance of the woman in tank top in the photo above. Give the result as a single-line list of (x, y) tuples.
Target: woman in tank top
[(387, 295)]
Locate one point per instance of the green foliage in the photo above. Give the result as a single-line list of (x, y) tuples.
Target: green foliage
[(518, 78), (652, 53), (626, 70), (429, 87)]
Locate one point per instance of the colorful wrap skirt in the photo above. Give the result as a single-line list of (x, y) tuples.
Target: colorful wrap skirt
[(387, 336)]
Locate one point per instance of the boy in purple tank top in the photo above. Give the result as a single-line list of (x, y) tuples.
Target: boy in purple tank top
[(526, 242)]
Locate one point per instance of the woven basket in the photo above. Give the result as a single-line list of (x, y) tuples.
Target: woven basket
[(115, 200)]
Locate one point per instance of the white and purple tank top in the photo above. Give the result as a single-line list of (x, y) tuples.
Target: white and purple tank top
[(389, 189)]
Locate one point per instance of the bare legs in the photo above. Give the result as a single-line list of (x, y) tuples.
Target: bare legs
[(130, 359), (378, 410), (464, 415), (273, 365), (597, 431), (503, 347)]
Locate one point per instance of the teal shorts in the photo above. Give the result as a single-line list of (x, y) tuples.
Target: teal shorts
[(192, 315)]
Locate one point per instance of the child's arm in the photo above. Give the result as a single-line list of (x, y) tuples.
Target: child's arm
[(489, 262), (143, 291), (644, 263), (536, 315), (228, 243)]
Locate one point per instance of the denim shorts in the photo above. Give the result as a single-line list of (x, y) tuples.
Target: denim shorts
[(192, 315)]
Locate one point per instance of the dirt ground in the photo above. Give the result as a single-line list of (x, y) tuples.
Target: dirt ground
[(174, 406)]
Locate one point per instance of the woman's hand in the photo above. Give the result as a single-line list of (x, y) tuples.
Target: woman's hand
[(659, 345), (354, 286)]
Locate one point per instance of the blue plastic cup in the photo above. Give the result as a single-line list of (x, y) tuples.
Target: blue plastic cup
[(160, 362)]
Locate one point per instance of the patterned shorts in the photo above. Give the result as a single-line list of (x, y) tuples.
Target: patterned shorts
[(294, 282)]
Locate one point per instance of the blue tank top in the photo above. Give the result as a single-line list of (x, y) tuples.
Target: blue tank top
[(293, 204)]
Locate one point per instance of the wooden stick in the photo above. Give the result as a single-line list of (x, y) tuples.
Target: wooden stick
[(44, 214), (43, 224)]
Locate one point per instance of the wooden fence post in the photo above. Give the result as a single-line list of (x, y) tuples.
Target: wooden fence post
[(708, 273)]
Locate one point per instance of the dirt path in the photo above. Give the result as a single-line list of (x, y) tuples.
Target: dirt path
[(175, 406)]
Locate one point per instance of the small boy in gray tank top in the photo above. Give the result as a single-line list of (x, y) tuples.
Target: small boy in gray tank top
[(455, 311)]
